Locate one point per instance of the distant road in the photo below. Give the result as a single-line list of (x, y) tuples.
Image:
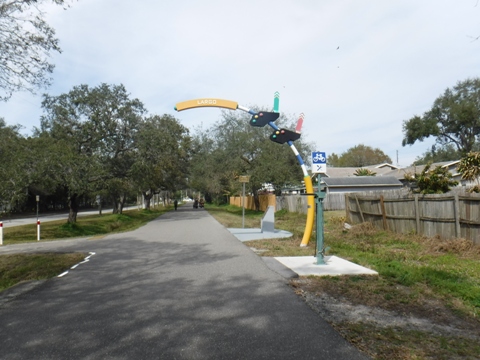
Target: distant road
[(45, 218)]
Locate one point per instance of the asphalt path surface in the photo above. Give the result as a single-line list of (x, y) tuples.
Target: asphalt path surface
[(180, 287)]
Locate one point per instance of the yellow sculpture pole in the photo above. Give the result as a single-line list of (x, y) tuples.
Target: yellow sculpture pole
[(310, 199), (310, 212)]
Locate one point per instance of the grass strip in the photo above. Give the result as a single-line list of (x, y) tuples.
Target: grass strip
[(85, 226), (25, 267), (18, 268), (429, 278)]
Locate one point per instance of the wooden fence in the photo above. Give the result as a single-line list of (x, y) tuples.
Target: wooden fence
[(451, 215), (298, 203), (292, 203), (265, 201)]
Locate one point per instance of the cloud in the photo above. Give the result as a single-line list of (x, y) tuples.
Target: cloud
[(356, 69)]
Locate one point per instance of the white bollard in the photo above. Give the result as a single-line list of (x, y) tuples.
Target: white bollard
[(1, 233), (38, 230)]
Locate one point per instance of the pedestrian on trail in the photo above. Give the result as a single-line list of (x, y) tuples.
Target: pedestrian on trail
[(175, 204)]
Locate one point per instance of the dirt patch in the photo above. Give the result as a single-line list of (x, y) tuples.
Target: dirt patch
[(388, 329)]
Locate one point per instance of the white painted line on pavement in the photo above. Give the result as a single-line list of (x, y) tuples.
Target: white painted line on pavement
[(74, 266), (89, 256)]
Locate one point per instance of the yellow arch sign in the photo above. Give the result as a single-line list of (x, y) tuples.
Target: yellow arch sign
[(206, 102)]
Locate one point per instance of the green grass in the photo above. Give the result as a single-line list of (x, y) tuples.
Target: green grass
[(231, 217), (92, 225), (424, 277), (441, 267), (26, 267), (407, 260), (392, 343)]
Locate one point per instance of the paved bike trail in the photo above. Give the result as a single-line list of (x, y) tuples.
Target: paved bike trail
[(180, 287)]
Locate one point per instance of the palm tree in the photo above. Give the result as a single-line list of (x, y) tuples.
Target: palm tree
[(364, 172), (469, 167)]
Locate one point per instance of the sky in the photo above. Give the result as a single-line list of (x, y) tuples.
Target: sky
[(356, 69)]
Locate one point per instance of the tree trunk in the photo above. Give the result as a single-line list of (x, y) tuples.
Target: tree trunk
[(123, 198), (73, 205), (116, 205), (147, 196), (256, 200)]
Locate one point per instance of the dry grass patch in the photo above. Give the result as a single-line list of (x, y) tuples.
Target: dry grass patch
[(462, 247)]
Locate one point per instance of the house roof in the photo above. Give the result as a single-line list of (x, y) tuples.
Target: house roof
[(379, 170), (384, 165), (361, 181), (385, 169), (400, 173)]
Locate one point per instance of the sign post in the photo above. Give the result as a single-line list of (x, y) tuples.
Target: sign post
[(320, 250), (319, 166), (37, 198), (243, 179), (1, 233), (38, 201), (99, 203)]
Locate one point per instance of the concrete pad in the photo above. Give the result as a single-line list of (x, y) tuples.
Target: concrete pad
[(257, 234), (307, 265)]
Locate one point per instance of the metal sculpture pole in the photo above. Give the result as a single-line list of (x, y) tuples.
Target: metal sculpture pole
[(306, 177), (280, 135)]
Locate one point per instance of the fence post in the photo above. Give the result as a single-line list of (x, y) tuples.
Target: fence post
[(468, 216), (384, 215), (456, 211), (359, 209), (417, 215), (347, 208)]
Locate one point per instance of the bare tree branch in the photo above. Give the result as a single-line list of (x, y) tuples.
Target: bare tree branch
[(26, 44)]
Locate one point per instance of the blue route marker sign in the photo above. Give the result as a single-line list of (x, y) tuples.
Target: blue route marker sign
[(319, 162)]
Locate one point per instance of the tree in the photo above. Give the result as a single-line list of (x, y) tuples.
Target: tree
[(438, 154), (359, 156), (46, 162), (97, 127), (26, 42), (29, 166), (232, 147), (431, 181), (13, 177), (453, 119), (162, 156), (469, 167), (203, 175)]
